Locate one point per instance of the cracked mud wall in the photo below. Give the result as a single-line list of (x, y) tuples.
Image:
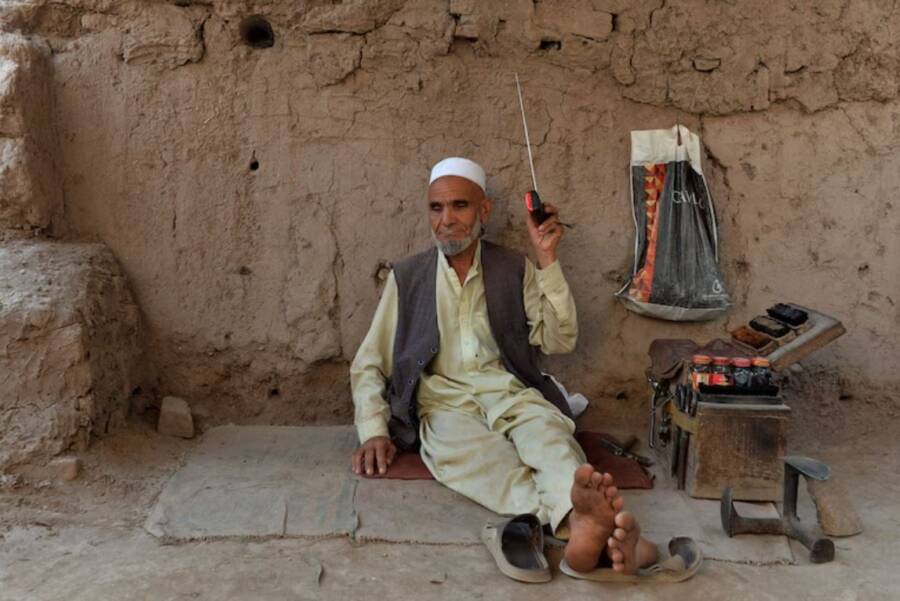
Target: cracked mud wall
[(252, 195)]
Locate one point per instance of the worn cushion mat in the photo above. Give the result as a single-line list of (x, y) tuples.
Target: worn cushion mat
[(627, 473)]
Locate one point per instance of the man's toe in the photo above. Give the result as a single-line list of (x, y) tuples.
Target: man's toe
[(625, 520), (583, 475)]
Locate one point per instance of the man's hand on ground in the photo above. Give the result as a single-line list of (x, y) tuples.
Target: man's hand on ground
[(546, 236), (376, 453)]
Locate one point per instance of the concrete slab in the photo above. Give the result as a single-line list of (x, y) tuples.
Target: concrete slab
[(270, 481), (258, 481), (417, 511)]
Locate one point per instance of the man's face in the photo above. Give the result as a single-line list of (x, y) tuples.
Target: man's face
[(456, 208)]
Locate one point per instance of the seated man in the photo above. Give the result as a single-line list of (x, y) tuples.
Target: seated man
[(449, 363)]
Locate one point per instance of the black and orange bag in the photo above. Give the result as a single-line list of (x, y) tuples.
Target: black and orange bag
[(676, 249)]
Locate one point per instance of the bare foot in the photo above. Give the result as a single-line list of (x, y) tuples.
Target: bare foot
[(595, 503), (622, 546)]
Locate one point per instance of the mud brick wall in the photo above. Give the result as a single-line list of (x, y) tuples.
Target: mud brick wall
[(69, 342), (253, 181)]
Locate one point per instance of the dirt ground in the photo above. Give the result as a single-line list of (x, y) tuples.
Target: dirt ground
[(84, 540)]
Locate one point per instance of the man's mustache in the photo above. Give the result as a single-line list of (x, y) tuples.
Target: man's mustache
[(451, 231)]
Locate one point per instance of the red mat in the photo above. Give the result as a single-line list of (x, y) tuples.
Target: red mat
[(626, 473)]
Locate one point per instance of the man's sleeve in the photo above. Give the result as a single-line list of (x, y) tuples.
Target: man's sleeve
[(550, 308), (372, 367)]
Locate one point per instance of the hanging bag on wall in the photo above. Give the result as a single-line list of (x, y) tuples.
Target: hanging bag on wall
[(676, 249)]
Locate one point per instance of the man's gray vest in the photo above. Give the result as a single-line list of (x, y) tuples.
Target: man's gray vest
[(417, 339)]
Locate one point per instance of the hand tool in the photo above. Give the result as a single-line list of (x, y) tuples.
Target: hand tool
[(675, 456), (532, 199), (656, 392), (621, 451), (821, 549), (683, 442), (629, 442)]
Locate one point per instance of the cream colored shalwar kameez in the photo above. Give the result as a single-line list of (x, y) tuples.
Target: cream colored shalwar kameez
[(484, 434)]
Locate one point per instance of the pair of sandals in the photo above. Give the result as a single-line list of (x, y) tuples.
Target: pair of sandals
[(517, 545)]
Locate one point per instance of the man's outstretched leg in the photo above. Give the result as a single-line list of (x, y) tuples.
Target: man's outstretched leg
[(597, 521)]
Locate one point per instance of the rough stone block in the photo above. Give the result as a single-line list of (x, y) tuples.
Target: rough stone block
[(25, 86), (706, 64), (334, 57), (30, 191), (163, 35), (574, 17), (66, 468), (17, 14), (69, 340), (26, 193), (867, 75), (175, 418), (12, 114), (349, 17)]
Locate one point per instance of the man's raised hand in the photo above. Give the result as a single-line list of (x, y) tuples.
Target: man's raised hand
[(376, 453), (546, 236)]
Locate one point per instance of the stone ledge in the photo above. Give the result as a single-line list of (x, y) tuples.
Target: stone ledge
[(68, 347)]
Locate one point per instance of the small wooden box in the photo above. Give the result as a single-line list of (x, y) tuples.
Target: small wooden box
[(713, 440), (737, 445)]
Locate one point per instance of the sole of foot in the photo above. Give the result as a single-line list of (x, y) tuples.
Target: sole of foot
[(623, 543), (595, 504)]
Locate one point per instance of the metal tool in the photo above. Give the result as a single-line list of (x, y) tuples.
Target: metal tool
[(684, 439), (675, 453), (660, 420), (821, 549), (622, 451), (656, 392), (532, 199)]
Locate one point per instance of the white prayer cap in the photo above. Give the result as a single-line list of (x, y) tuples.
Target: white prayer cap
[(460, 167)]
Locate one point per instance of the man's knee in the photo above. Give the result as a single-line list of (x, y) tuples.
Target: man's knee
[(548, 420)]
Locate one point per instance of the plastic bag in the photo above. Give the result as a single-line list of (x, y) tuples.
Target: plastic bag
[(578, 403), (676, 249)]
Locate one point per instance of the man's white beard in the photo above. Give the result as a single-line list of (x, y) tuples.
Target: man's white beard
[(454, 247)]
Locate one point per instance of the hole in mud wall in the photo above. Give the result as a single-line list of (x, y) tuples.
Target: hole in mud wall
[(547, 44), (257, 32), (254, 165), (273, 392)]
